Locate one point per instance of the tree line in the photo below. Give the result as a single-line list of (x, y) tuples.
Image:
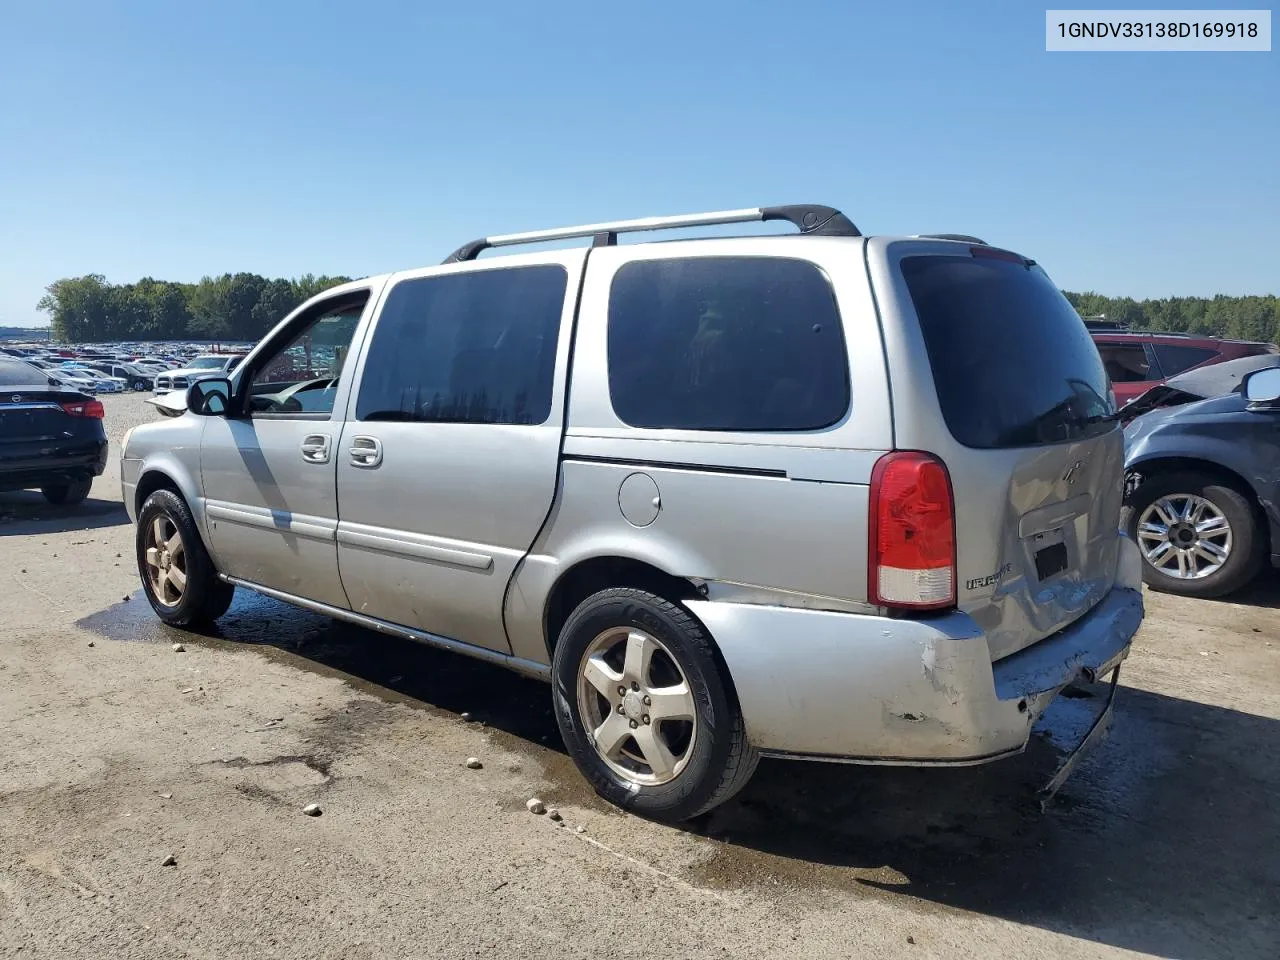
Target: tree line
[(233, 306), (244, 306), (1238, 318)]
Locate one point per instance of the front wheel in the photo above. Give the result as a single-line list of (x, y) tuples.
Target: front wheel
[(177, 573), (140, 385), (1198, 537), (644, 708)]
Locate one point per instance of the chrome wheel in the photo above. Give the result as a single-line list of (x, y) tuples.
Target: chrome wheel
[(636, 705), (1184, 536), (166, 561)]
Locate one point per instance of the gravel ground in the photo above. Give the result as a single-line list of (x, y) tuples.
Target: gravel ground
[(121, 755)]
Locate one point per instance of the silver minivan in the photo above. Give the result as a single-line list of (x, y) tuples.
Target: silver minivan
[(820, 496)]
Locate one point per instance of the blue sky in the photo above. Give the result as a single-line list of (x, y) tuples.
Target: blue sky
[(179, 139)]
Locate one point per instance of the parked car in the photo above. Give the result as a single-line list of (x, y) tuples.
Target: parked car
[(202, 367), (51, 438), (103, 382), (135, 376), (1203, 468), (731, 497), (1136, 361)]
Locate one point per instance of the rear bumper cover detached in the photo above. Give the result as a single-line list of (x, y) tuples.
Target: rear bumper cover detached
[(838, 686)]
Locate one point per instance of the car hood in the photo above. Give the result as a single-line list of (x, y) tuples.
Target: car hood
[(1215, 380), (1195, 410)]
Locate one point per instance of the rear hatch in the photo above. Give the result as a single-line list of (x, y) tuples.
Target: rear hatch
[(997, 376)]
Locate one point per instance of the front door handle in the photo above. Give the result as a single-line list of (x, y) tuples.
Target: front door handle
[(315, 448), (366, 452)]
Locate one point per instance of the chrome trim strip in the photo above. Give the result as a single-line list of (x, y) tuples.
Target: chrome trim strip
[(278, 521), (529, 668), (406, 544)]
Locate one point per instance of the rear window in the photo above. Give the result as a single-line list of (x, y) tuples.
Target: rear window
[(15, 373), (1175, 357), (1126, 362), (726, 343), (1013, 364)]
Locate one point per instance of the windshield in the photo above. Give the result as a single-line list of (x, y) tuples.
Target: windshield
[(207, 363), (1013, 363)]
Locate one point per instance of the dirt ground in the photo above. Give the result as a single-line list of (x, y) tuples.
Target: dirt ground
[(117, 752)]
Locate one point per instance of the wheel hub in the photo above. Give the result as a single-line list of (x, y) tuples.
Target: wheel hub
[(1185, 536), (633, 705)]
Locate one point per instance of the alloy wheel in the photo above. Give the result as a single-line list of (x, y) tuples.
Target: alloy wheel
[(1184, 536), (637, 706), (166, 561)]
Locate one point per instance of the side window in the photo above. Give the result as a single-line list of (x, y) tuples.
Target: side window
[(1126, 362), (302, 376), (1174, 358), (474, 347), (726, 343)]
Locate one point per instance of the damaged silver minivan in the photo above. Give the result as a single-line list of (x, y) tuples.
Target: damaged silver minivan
[(821, 495)]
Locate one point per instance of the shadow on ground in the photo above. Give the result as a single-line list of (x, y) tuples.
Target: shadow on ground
[(1166, 841), (1263, 592), (28, 512)]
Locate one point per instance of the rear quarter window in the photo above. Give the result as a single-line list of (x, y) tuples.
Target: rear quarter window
[(726, 344), (1174, 358), (1013, 364)]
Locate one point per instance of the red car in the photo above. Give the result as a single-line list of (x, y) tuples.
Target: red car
[(1138, 361)]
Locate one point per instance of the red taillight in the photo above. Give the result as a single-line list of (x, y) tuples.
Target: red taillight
[(912, 561), (85, 408)]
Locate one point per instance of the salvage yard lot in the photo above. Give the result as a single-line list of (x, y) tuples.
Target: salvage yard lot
[(119, 752)]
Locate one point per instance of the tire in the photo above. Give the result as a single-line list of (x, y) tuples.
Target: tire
[(140, 385), (201, 597), (67, 494), (1244, 537), (714, 758)]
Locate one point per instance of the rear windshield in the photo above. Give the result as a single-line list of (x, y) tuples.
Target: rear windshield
[(15, 373), (1013, 363)]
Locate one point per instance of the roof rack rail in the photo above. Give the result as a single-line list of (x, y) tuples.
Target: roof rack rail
[(962, 237), (812, 219)]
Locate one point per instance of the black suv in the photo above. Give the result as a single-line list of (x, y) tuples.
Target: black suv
[(51, 438)]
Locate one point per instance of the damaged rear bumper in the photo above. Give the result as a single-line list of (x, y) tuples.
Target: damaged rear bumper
[(856, 688)]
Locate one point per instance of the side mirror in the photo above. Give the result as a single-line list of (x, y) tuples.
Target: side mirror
[(1262, 388), (210, 398)]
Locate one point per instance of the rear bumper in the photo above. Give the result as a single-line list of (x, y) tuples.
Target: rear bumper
[(878, 690), (81, 461)]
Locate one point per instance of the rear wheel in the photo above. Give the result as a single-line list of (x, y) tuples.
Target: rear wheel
[(67, 494), (140, 385), (644, 709), (177, 573), (1198, 536)]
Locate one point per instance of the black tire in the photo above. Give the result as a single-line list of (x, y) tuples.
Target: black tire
[(67, 494), (204, 597), (1248, 536), (721, 761), (140, 385)]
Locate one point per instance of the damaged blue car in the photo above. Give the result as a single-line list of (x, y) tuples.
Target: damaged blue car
[(1202, 477)]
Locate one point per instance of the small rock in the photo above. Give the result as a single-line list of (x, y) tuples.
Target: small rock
[(117, 556), (466, 717), (1204, 653), (474, 763), (297, 849), (312, 810), (581, 829), (177, 647), (166, 796), (554, 814), (169, 861), (1255, 629), (536, 806), (126, 598), (24, 569), (188, 690), (911, 939), (91, 643)]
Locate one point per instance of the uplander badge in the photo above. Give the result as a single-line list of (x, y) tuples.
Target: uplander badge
[(990, 580)]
